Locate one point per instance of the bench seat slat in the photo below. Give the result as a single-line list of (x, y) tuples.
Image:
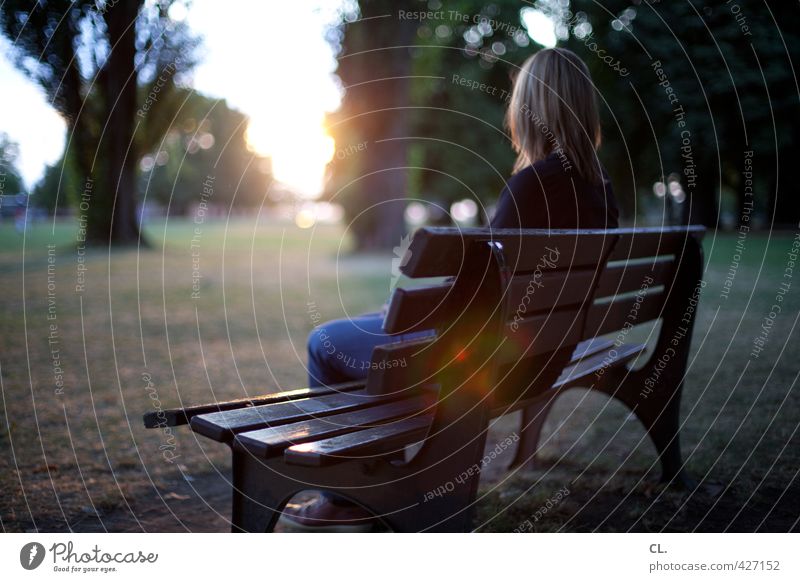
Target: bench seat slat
[(393, 436), (367, 443), (575, 373), (268, 442), (181, 416), (222, 426), (590, 347)]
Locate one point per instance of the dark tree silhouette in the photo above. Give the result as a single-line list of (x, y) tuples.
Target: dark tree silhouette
[(729, 67), (108, 68), (374, 66)]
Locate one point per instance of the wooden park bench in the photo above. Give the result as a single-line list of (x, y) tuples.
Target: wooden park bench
[(519, 317)]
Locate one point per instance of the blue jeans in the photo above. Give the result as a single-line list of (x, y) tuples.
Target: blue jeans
[(340, 350)]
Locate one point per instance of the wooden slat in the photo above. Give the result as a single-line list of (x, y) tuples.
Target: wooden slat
[(391, 437), (221, 426), (529, 293), (528, 254), (181, 416), (650, 242), (436, 251), (268, 442), (440, 251), (575, 373), (367, 443), (420, 376), (590, 347), (621, 278), (406, 365), (416, 309), (578, 374), (604, 318), (413, 310), (540, 334)]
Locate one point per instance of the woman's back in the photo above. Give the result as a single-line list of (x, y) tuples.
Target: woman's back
[(551, 194)]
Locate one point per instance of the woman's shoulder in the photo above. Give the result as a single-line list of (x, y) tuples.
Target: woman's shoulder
[(552, 166), (540, 176)]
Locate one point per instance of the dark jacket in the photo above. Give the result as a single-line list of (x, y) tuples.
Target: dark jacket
[(546, 195)]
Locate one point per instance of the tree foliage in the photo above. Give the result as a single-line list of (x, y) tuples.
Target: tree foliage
[(729, 70), (10, 178), (464, 68)]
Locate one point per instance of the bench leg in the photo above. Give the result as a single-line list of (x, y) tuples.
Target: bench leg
[(261, 493), (531, 424), (663, 427), (659, 412), (256, 507)]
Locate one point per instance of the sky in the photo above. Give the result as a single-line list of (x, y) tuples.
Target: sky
[(28, 119), (269, 60)]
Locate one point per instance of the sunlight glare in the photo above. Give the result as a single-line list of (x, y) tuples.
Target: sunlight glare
[(305, 218), (282, 80), (299, 150), (540, 28)]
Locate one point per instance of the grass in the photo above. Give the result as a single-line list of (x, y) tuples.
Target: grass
[(135, 334)]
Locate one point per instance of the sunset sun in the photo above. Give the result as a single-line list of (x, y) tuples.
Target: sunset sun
[(299, 148)]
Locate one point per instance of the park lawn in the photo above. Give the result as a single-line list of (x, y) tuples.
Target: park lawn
[(135, 334), (134, 338)]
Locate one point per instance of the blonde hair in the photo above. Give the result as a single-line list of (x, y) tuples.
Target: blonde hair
[(553, 108)]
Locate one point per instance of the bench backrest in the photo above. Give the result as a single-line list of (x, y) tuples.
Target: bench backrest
[(527, 293)]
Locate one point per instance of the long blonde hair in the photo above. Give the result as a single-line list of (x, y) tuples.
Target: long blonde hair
[(553, 108)]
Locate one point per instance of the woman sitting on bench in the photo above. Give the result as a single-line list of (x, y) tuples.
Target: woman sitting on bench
[(558, 182)]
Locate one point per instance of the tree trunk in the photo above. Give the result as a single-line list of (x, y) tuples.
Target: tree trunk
[(112, 215), (378, 76)]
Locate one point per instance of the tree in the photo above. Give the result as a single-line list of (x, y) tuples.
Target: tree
[(58, 187), (93, 57), (374, 67), (685, 91), (10, 178)]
